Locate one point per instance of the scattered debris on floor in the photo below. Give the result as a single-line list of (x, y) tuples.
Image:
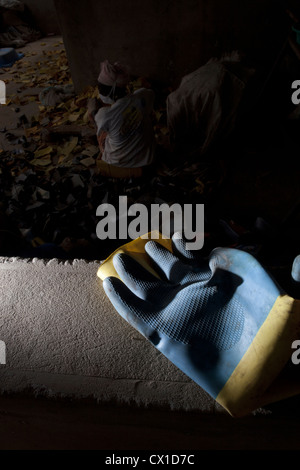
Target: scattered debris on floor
[(50, 187), (17, 26)]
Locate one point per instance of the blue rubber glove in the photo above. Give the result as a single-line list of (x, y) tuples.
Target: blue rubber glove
[(205, 316), (296, 269)]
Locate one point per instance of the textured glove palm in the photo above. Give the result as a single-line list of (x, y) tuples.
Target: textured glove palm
[(202, 315)]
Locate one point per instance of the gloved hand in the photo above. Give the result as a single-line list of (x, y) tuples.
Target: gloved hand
[(224, 322), (296, 269)]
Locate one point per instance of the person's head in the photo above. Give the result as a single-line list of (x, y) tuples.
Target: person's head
[(112, 81)]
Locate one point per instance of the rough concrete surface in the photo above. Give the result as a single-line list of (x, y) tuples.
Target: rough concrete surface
[(63, 338)]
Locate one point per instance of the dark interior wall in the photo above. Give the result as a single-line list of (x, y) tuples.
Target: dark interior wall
[(44, 14), (163, 39)]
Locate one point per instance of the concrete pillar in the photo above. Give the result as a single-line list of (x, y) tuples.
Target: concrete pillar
[(45, 16), (159, 39)]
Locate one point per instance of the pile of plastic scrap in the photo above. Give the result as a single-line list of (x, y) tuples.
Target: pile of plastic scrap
[(47, 161), (16, 24), (52, 70), (49, 183)]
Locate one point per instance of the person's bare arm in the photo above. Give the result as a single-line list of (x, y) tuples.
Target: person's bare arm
[(93, 107)]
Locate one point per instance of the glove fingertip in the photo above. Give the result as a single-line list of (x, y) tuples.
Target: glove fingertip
[(117, 262), (110, 285)]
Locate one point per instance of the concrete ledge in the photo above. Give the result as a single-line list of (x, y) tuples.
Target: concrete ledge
[(64, 339)]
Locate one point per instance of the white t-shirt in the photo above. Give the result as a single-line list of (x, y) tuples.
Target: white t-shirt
[(130, 141)]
